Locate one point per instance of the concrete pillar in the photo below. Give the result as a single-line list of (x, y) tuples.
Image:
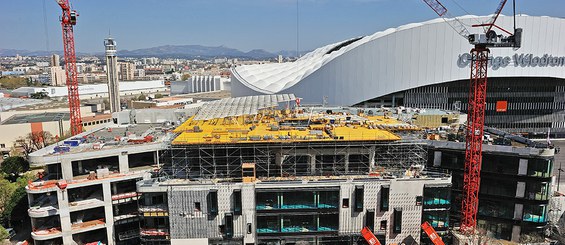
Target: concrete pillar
[(108, 212), (67, 169), (65, 216), (346, 162), (123, 162), (312, 164), (372, 157)]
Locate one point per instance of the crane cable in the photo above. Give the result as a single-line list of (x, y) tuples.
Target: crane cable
[(45, 26)]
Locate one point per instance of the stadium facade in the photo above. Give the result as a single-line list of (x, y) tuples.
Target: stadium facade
[(426, 65)]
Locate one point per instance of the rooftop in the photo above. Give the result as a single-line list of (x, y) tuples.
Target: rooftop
[(37, 117), (7, 103), (108, 137), (298, 125)]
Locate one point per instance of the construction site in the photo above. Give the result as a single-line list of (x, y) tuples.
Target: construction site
[(244, 171), (266, 169)]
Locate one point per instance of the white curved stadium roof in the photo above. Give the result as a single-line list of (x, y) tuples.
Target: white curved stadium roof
[(397, 59)]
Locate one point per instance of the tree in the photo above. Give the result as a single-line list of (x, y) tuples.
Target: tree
[(12, 167), (158, 96), (39, 95), (141, 97), (7, 189), (3, 233), (185, 77), (34, 141)]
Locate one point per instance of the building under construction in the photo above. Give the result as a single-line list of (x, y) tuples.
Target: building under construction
[(243, 171)]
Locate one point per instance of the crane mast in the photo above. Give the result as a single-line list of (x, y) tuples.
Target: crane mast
[(477, 102), (68, 19)]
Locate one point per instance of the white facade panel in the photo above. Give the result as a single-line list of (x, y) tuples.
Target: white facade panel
[(398, 59)]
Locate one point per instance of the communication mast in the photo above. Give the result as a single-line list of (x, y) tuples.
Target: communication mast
[(477, 101), (68, 20)]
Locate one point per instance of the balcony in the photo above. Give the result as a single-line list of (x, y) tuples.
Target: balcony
[(154, 210), (126, 235), (85, 204), (125, 197), (152, 234), (46, 234), (51, 185), (42, 211), (87, 226)]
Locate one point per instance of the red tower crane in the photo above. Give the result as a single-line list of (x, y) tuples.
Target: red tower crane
[(68, 20), (477, 101)]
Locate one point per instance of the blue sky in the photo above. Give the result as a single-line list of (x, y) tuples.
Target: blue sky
[(241, 24)]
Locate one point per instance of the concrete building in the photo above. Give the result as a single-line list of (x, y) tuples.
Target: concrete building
[(91, 91), (112, 73), (127, 71), (237, 175), (57, 76), (87, 191), (426, 65), (55, 60), (515, 187), (198, 84)]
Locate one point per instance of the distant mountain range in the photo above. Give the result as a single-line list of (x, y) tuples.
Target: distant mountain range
[(171, 51)]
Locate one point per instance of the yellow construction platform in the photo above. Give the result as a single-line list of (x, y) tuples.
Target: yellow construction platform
[(267, 129)]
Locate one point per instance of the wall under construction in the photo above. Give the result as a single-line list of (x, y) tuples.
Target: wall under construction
[(292, 159)]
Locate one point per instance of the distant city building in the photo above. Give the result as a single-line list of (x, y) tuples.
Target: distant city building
[(92, 91), (127, 71), (55, 60), (198, 84), (57, 76), (112, 72)]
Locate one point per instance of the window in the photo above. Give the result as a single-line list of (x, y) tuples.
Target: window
[(249, 228), (370, 220), (2, 145), (197, 207), (213, 202), (237, 202), (358, 198), (397, 223), (383, 226), (383, 205), (345, 203), (228, 218)]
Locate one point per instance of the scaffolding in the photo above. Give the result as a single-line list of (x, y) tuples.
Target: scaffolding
[(292, 159)]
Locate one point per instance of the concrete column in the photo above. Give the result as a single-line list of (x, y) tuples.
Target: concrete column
[(65, 216), (346, 162), (123, 162), (67, 169), (312, 164), (108, 212), (372, 157)]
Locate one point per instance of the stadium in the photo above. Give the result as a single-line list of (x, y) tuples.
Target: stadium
[(426, 65)]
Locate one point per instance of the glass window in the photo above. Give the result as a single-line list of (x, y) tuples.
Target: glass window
[(539, 168), (435, 196), (534, 213), (267, 200), (397, 222), (328, 199), (358, 198), (384, 198), (496, 209), (237, 202), (267, 224)]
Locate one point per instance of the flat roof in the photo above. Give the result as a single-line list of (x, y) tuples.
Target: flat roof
[(37, 117), (8, 103)]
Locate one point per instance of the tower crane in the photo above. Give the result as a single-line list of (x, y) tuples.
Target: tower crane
[(68, 20), (477, 100)]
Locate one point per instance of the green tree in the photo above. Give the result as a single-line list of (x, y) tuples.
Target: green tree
[(13, 166), (158, 96), (38, 95), (3, 233), (141, 97), (7, 189)]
